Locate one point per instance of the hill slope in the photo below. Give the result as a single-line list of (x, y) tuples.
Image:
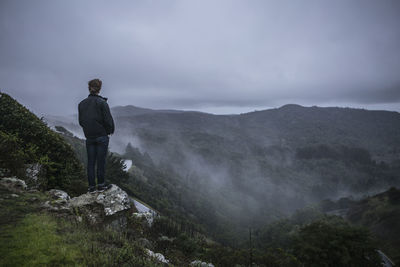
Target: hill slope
[(269, 162), (26, 139), (177, 195)]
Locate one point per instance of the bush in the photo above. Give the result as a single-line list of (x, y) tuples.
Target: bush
[(12, 156)]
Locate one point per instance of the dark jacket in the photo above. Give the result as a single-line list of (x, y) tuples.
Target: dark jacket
[(95, 117)]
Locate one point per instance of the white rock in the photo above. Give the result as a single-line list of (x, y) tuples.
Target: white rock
[(13, 184), (158, 256), (113, 200), (60, 200), (32, 171), (199, 263), (58, 194)]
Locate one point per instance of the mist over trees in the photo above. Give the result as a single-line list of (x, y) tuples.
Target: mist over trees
[(249, 169)]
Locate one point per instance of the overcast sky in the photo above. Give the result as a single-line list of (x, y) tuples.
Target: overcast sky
[(214, 56)]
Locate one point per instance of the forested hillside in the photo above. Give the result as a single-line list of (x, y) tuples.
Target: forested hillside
[(264, 165), (189, 215)]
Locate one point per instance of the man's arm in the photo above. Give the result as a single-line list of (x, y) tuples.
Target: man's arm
[(80, 115), (108, 119)]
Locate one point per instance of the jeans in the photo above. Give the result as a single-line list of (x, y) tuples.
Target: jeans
[(96, 152)]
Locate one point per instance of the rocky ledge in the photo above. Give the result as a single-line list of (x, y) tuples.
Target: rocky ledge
[(108, 207)]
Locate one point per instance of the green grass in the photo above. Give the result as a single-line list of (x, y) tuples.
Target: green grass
[(34, 241), (30, 236)]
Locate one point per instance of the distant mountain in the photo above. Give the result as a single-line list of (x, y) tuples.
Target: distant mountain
[(291, 125), (130, 110), (261, 165)]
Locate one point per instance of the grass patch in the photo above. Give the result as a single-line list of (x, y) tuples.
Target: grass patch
[(45, 240), (13, 209), (30, 236), (34, 242)]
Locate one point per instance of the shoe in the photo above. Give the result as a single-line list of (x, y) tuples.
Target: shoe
[(92, 190), (101, 188)]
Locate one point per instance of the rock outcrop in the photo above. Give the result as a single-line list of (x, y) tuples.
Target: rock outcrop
[(13, 184), (158, 256), (58, 194), (59, 201), (113, 200), (108, 207)]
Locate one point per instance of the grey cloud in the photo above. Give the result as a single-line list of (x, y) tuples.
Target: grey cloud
[(200, 54)]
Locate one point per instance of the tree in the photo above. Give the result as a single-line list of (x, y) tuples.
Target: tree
[(335, 244)]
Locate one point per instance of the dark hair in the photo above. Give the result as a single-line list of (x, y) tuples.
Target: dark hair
[(94, 86)]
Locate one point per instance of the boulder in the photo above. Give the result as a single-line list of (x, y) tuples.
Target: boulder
[(97, 208), (13, 184), (158, 256), (58, 194), (112, 200), (108, 207), (59, 202)]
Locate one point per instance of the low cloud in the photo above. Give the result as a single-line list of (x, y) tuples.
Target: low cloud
[(204, 55)]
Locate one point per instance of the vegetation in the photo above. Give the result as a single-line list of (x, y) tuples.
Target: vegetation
[(24, 138), (315, 239), (29, 236), (32, 237), (232, 172), (255, 168), (281, 243), (380, 214), (325, 244)]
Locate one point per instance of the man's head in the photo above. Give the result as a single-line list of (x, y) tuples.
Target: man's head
[(94, 86)]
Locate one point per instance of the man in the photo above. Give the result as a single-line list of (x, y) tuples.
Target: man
[(97, 123)]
